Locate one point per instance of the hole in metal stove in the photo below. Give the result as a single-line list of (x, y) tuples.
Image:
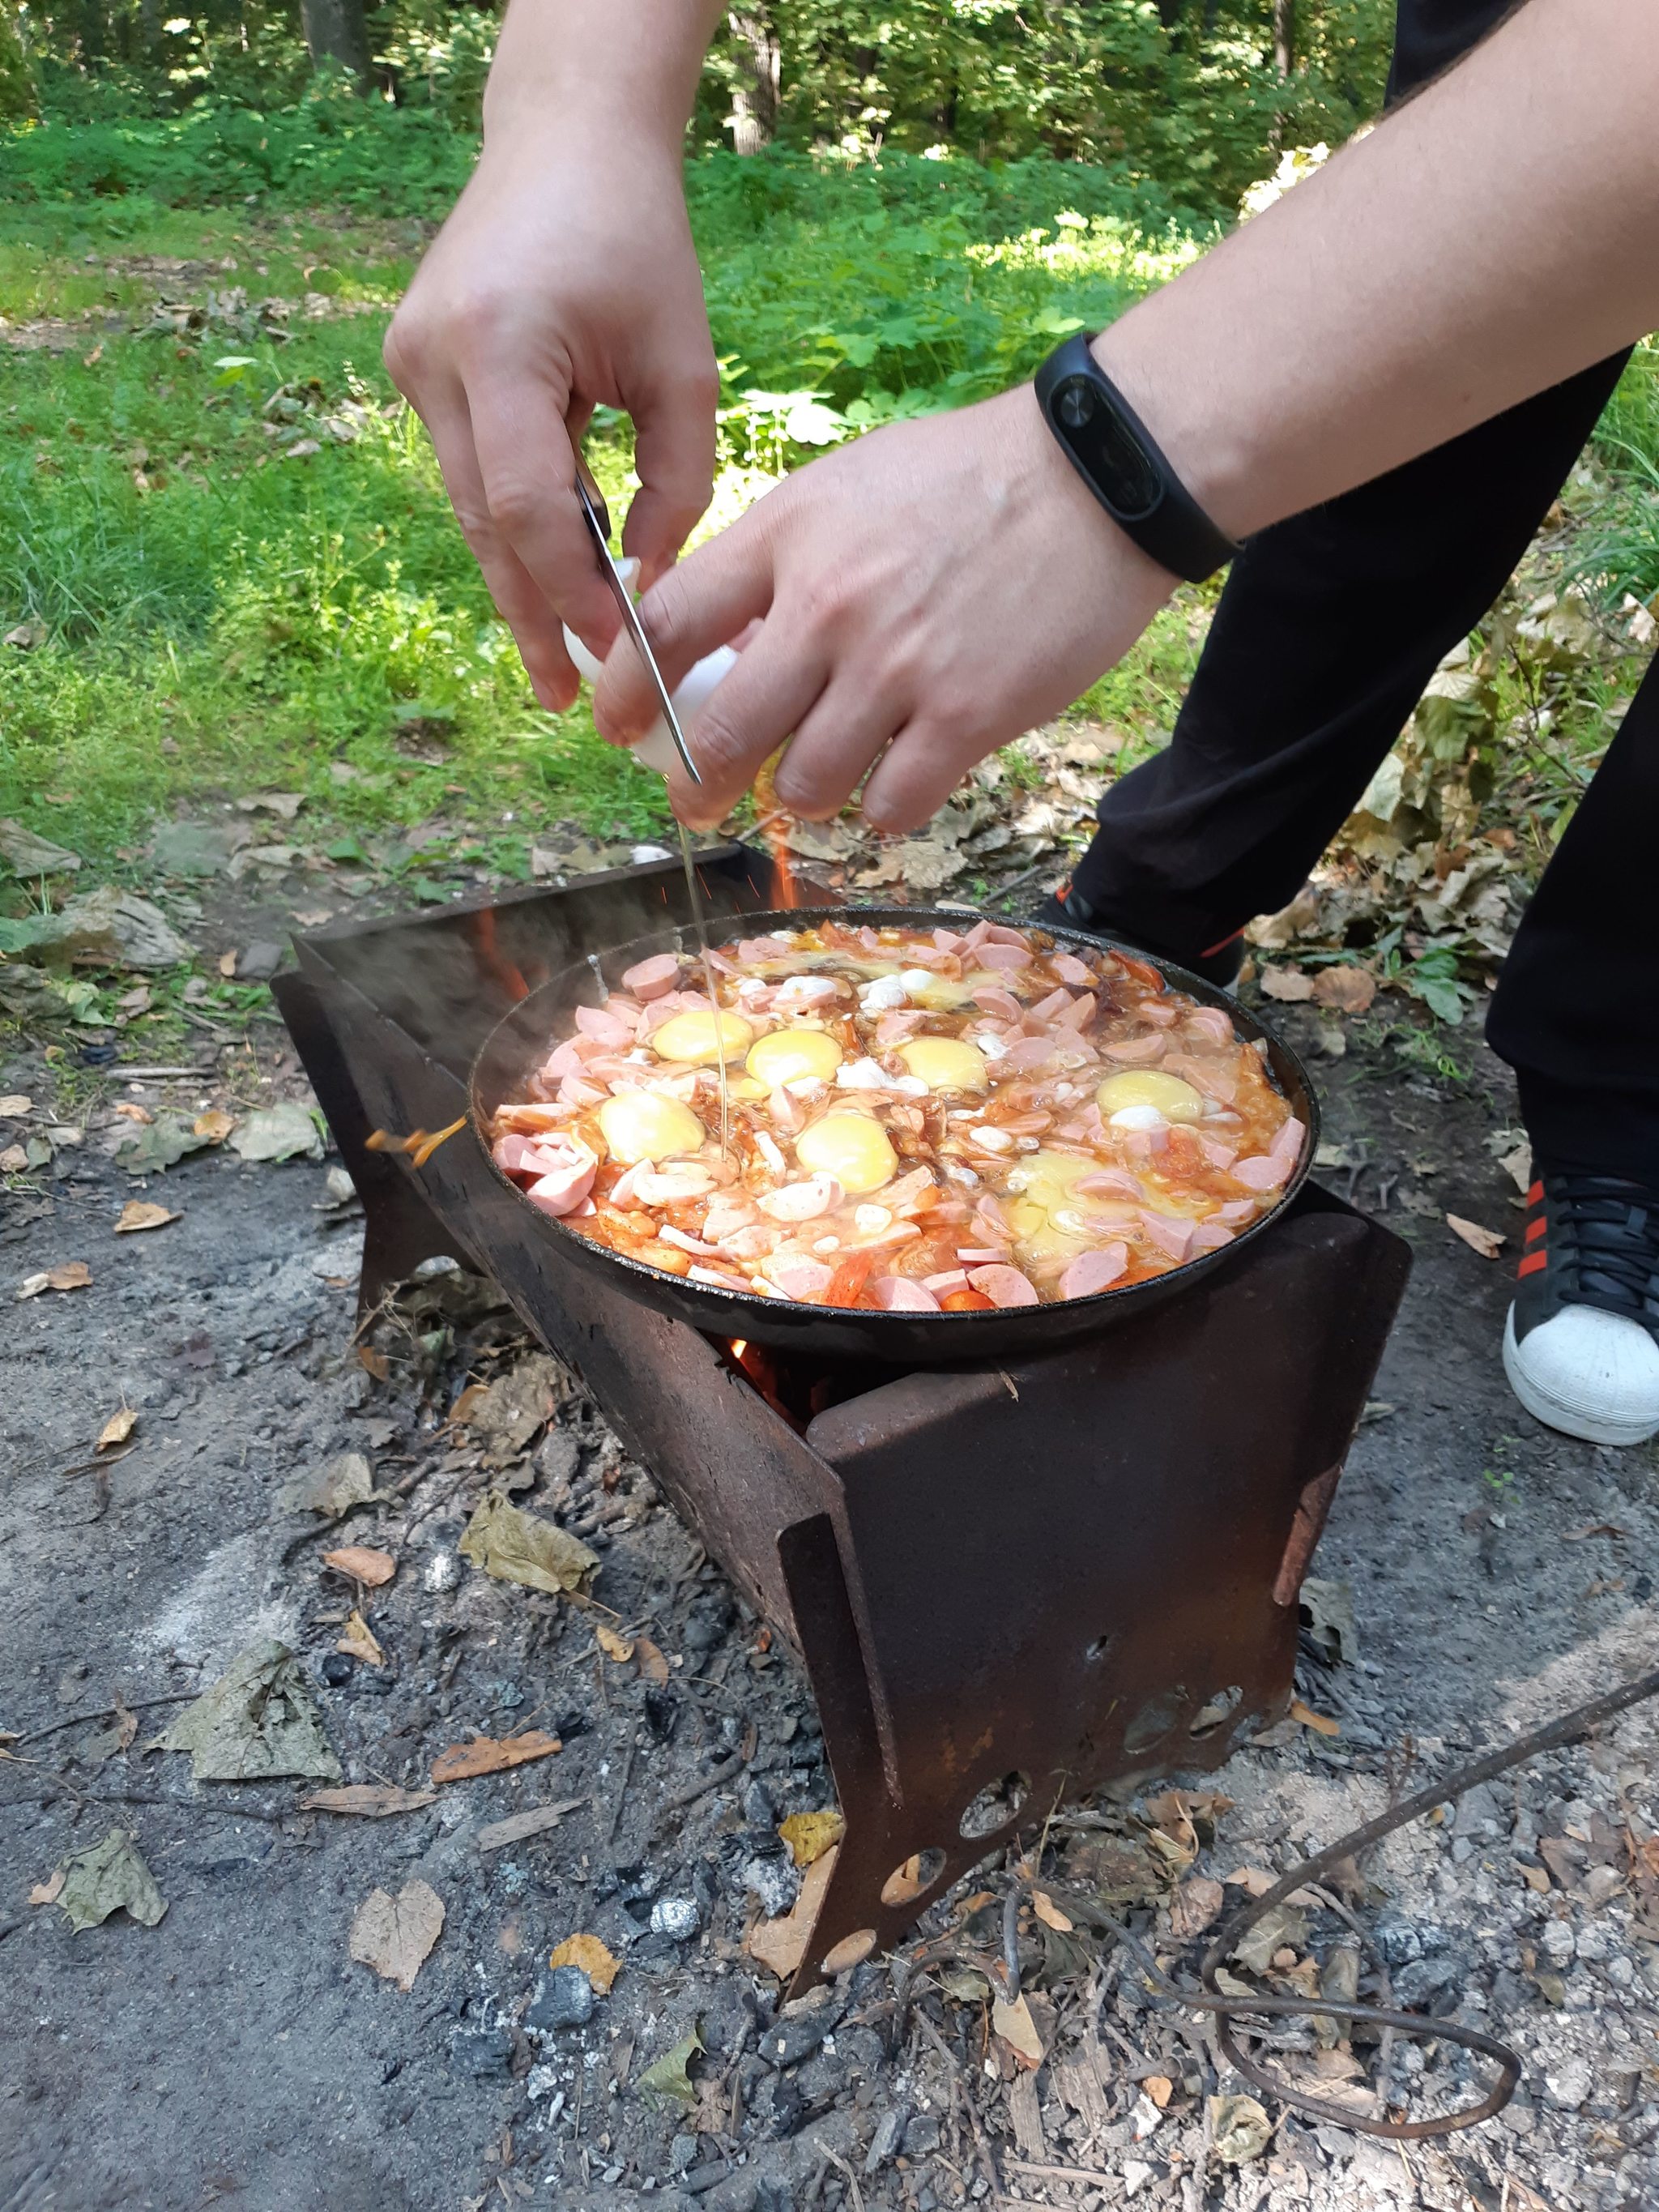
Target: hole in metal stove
[(1157, 1719), (994, 1805), (1220, 1710), (913, 1878)]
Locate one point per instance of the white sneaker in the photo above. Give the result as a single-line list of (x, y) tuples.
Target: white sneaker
[(1581, 1345)]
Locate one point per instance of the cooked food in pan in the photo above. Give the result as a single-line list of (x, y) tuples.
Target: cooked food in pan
[(919, 1120)]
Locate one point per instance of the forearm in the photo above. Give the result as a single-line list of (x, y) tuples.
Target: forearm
[(1498, 233), (629, 67)]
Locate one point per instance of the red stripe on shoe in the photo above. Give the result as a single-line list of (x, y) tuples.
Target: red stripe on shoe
[(1537, 1228), (1535, 1196), (1533, 1262)]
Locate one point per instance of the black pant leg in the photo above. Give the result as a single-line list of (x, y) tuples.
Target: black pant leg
[(1329, 626), (1576, 1012)]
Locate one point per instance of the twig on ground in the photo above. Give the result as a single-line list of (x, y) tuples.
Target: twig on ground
[(689, 1793), (964, 2097), (106, 1712), (614, 1820)]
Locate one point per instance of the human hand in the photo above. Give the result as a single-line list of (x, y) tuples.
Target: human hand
[(565, 279), (925, 595)]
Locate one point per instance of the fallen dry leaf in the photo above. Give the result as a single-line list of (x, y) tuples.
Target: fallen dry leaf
[(592, 1956), (357, 1640), (141, 1213), (257, 1720), (1255, 1880), (68, 1275), (613, 1646), (1290, 984), (516, 1547), (15, 1105), (1485, 1242), (1014, 2025), (648, 1659), (489, 1754), (228, 969), (810, 1835), (1045, 1908), (1596, 1529), (111, 1877), (363, 1565), (46, 1892), (215, 1125), (780, 1944), (1349, 990), (115, 1430), (1321, 1723), (1160, 2088), (395, 1934), (668, 2077), (130, 1110), (1195, 1906), (1239, 2129), (519, 1826), (376, 1801), (13, 1160)]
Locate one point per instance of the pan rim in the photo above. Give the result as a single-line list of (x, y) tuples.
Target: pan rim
[(654, 1281)]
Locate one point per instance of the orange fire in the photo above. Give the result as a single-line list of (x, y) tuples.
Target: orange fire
[(774, 818), (494, 963)]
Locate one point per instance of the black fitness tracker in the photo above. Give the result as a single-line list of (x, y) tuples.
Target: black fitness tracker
[(1118, 458)]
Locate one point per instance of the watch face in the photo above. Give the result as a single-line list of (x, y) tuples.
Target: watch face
[(1107, 447)]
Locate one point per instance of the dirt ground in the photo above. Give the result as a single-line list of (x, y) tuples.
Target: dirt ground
[(235, 2054)]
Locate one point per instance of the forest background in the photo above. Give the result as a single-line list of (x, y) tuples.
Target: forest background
[(225, 561)]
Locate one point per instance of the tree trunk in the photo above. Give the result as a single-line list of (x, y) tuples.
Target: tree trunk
[(337, 31), (1285, 37), (754, 117)]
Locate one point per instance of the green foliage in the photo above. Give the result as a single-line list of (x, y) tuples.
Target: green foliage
[(17, 92), (1619, 554)]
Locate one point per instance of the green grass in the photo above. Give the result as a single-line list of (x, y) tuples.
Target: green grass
[(214, 615)]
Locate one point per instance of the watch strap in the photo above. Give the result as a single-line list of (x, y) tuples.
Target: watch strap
[(1098, 430)]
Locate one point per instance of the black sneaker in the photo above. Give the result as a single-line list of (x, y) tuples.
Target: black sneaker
[(1067, 908), (1581, 1346)]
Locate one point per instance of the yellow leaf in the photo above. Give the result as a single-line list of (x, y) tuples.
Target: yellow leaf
[(649, 1660), (810, 1835), (613, 1646), (592, 1956), (358, 1641), (215, 1125), (115, 1430), (139, 1214), (1321, 1723), (1050, 1914), (363, 1565)]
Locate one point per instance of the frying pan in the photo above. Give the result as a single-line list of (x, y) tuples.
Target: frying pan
[(519, 1044)]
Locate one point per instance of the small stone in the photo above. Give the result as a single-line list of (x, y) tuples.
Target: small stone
[(677, 1918), (1423, 1980), (921, 2134), (259, 963), (889, 2131), (1136, 2175), (1520, 2119), (1570, 2086), (1557, 1943), (800, 2028), (335, 1669), (565, 1999), (775, 1880), (484, 2053), (1397, 1940), (1594, 1943), (682, 2154), (760, 1809)]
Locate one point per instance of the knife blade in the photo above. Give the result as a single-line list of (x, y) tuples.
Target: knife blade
[(598, 518)]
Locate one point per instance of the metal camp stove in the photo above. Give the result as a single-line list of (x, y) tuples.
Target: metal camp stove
[(1005, 1583)]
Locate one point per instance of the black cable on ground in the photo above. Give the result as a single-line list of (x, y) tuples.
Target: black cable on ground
[(1552, 1736)]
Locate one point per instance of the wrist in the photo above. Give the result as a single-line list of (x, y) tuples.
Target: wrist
[(1183, 404)]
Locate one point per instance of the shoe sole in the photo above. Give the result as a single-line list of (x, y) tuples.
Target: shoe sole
[(1554, 1414)]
